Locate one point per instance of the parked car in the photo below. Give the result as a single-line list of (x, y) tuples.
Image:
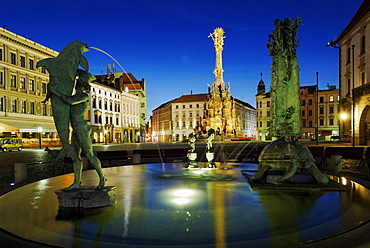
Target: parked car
[(9, 144)]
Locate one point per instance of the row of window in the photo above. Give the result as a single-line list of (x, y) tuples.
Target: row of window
[(116, 106), (303, 102), (108, 119), (184, 125), (304, 123), (25, 107), (361, 51), (184, 114), (22, 83), (98, 103), (21, 61), (99, 91), (303, 112), (127, 121), (190, 106), (267, 104), (260, 114)]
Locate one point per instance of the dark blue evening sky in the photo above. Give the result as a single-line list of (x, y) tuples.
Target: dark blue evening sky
[(166, 41)]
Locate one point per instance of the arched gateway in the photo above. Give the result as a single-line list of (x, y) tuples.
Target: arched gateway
[(364, 126)]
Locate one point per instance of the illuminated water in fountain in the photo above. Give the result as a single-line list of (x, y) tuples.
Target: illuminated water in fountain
[(195, 207)]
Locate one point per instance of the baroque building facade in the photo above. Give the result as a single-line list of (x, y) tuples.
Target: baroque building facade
[(114, 115), (127, 83), (263, 101), (174, 120), (354, 70), (328, 114), (307, 97), (218, 110), (117, 114), (22, 89), (160, 123)]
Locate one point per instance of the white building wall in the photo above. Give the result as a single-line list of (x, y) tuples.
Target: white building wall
[(122, 111), (184, 118)]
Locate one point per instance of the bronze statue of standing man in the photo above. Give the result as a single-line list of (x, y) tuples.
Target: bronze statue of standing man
[(68, 109)]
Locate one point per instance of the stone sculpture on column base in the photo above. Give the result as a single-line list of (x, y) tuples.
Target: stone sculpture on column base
[(210, 154), (192, 156)]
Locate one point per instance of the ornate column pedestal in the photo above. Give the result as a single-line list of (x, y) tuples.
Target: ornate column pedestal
[(210, 158), (192, 156)]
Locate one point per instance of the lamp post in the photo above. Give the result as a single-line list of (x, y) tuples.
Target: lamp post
[(39, 129), (353, 95), (334, 44), (317, 107)]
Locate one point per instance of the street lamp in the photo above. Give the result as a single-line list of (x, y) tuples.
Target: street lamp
[(39, 129), (343, 116)]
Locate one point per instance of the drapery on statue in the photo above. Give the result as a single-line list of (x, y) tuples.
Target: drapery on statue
[(211, 136), (62, 74), (191, 142)]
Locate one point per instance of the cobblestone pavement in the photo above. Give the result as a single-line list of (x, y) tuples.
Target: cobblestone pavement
[(39, 165)]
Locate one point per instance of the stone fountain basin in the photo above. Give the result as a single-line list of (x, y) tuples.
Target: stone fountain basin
[(165, 205)]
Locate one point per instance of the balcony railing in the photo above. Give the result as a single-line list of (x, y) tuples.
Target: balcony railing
[(362, 90)]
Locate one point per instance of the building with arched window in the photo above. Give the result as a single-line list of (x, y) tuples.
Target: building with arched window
[(114, 115), (354, 59)]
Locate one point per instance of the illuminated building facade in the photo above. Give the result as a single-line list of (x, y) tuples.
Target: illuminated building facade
[(218, 110), (263, 100), (114, 115), (22, 89), (321, 110), (354, 69), (133, 116)]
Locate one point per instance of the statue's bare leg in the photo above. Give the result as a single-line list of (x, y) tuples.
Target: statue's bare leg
[(82, 131), (74, 153), (95, 162)]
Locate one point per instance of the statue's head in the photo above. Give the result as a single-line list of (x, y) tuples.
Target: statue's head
[(76, 46)]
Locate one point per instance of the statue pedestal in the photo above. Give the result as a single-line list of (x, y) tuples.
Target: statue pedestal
[(288, 156), (192, 156), (210, 158), (87, 197)]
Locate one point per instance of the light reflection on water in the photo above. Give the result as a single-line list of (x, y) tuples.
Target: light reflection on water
[(183, 207)]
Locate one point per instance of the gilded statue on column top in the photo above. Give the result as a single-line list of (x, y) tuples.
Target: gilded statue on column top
[(218, 38)]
